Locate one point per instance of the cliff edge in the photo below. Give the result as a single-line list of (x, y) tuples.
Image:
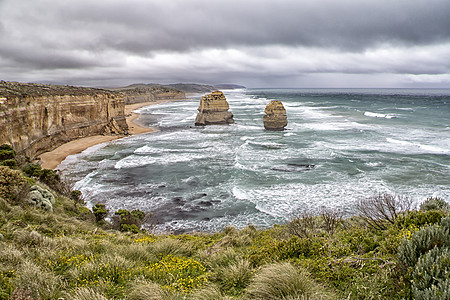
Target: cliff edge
[(36, 118)]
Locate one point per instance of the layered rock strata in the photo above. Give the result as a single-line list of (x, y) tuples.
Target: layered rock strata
[(275, 118), (36, 118), (213, 110), (139, 93)]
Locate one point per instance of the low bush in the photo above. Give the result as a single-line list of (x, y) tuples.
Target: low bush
[(100, 212), (420, 218), (32, 170), (434, 203), (431, 278), (423, 241), (13, 186), (7, 152)]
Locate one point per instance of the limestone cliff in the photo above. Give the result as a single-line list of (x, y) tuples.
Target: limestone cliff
[(213, 110), (275, 118), (138, 93), (36, 118)]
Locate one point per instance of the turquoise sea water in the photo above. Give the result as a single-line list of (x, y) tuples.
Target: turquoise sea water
[(340, 145)]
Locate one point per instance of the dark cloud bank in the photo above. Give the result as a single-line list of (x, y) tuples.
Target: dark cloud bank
[(322, 43)]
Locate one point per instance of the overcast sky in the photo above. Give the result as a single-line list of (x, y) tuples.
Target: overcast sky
[(256, 43)]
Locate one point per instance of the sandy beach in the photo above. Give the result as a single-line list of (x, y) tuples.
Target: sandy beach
[(50, 160)]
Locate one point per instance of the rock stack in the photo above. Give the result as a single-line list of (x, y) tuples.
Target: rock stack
[(275, 118), (213, 110)]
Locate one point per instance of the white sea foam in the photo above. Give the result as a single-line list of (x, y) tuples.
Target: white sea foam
[(378, 115)]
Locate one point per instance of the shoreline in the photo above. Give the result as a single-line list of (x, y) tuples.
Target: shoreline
[(52, 159)]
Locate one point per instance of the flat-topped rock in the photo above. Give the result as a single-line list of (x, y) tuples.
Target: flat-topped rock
[(275, 118), (213, 110)]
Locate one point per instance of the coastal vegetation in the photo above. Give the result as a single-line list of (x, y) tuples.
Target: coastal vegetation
[(390, 250)]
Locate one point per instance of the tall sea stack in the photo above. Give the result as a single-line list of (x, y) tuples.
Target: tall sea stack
[(213, 110), (275, 118)]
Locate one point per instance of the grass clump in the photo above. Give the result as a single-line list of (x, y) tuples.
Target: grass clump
[(283, 281)]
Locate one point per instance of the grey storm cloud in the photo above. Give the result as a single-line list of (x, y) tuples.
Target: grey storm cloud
[(105, 38)]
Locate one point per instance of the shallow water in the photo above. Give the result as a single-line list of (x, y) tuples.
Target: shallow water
[(340, 146)]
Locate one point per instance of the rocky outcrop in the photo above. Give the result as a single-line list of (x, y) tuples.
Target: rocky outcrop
[(139, 93), (213, 110), (275, 118), (36, 118)]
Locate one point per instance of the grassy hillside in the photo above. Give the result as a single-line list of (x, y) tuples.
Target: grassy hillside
[(53, 248)]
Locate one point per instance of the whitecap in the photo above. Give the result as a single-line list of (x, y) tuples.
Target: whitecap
[(378, 115)]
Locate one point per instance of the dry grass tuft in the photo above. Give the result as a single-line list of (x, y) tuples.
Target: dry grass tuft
[(282, 281)]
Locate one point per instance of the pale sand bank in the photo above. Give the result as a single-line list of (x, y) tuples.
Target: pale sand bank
[(50, 160)]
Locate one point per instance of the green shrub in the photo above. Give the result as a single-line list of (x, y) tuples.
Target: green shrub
[(434, 203), (100, 212), (284, 281), (7, 152), (129, 221), (77, 196), (419, 218), (50, 177), (431, 275), (12, 184), (9, 163), (32, 170)]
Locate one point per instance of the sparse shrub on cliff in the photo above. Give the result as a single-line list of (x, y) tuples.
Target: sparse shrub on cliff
[(129, 221), (304, 225), (13, 186), (32, 170), (434, 203), (7, 152), (100, 212), (12, 163), (77, 197), (383, 209)]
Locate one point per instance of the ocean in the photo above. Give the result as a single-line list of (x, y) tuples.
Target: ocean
[(340, 146)]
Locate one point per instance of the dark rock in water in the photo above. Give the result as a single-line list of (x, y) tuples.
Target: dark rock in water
[(205, 203), (294, 167), (178, 200), (198, 196)]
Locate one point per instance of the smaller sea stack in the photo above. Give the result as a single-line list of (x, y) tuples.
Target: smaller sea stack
[(275, 118), (213, 110)]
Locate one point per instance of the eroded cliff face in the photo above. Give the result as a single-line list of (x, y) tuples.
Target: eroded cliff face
[(213, 110), (37, 118), (139, 93)]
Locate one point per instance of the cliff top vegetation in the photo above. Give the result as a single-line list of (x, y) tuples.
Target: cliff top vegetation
[(53, 247), (10, 89)]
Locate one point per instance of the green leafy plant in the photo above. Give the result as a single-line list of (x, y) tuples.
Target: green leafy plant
[(100, 212), (7, 152)]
